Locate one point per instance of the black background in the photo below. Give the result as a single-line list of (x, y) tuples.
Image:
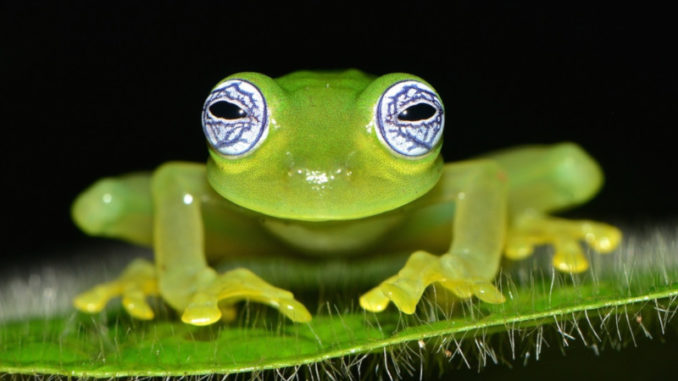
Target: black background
[(103, 90)]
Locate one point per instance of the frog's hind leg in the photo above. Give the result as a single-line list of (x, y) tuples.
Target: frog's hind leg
[(543, 179), (119, 207), (531, 229)]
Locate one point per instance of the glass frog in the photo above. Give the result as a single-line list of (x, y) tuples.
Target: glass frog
[(331, 164)]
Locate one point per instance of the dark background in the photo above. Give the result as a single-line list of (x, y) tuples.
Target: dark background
[(98, 91), (92, 92)]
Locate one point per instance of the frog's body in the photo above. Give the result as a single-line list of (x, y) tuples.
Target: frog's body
[(335, 164)]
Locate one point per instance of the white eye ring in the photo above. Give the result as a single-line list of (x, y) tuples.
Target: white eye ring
[(235, 118), (415, 135)]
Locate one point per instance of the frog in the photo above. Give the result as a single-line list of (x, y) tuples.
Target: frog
[(335, 164)]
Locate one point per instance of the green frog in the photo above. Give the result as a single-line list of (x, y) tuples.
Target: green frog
[(330, 164)]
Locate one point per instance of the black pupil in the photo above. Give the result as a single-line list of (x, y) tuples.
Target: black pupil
[(420, 111), (227, 110)]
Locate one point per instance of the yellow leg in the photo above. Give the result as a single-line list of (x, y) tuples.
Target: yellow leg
[(421, 270), (467, 269), (185, 280), (533, 229), (207, 306), (136, 283)]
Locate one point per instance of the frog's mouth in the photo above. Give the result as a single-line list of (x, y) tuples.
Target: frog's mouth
[(321, 195)]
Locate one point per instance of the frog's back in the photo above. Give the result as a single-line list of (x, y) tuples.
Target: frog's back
[(345, 79)]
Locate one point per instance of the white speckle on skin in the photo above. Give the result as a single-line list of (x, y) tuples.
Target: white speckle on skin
[(188, 199), (370, 126), (318, 177), (107, 198)]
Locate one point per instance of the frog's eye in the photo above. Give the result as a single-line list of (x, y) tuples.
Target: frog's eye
[(235, 117), (410, 118)]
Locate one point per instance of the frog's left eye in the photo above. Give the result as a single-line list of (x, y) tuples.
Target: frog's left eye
[(410, 118), (235, 117)]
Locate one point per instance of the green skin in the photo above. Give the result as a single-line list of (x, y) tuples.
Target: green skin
[(322, 183)]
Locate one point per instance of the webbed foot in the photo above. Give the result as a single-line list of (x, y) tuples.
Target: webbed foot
[(422, 269), (536, 229), (135, 283), (208, 304)]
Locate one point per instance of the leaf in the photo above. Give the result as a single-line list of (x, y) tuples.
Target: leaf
[(632, 291)]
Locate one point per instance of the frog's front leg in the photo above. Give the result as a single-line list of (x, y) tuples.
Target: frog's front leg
[(135, 283), (181, 274), (479, 190), (185, 280), (120, 208)]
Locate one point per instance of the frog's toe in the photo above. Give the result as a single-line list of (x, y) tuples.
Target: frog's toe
[(404, 293), (483, 290), (134, 285), (488, 293), (603, 238), (294, 310), (233, 286), (375, 300), (518, 246), (568, 256), (462, 290), (94, 300), (203, 310), (134, 302), (208, 311)]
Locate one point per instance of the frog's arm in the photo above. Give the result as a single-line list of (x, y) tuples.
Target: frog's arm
[(177, 190), (479, 190)]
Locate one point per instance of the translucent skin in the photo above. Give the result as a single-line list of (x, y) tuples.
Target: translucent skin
[(322, 183)]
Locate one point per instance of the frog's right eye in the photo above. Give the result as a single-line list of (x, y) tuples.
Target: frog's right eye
[(235, 118), (410, 118)]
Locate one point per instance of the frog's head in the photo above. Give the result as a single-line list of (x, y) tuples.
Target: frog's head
[(323, 146)]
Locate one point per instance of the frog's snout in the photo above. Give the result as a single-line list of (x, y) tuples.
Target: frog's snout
[(319, 177)]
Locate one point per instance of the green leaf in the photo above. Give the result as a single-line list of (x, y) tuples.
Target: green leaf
[(631, 292)]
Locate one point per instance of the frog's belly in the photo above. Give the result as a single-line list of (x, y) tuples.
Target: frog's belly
[(333, 237)]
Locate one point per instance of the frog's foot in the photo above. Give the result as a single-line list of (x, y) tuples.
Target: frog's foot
[(135, 283), (208, 304), (422, 269), (564, 235)]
